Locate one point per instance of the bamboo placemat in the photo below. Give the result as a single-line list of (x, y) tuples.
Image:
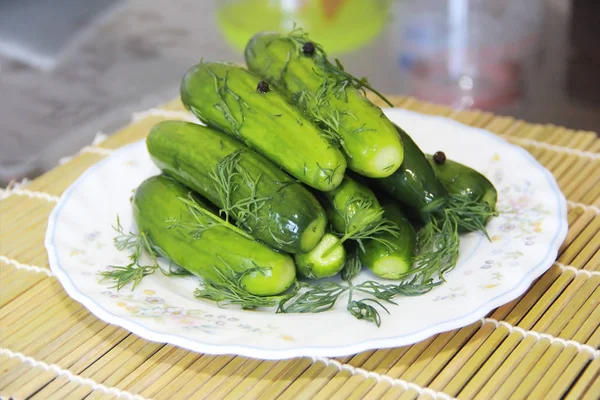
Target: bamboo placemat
[(543, 344)]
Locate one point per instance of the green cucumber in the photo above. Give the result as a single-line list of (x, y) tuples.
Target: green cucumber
[(355, 213), (264, 200), (329, 96), (320, 262), (429, 192), (460, 180), (351, 207), (416, 186), (392, 261), (202, 243), (237, 102), (443, 214), (414, 183)]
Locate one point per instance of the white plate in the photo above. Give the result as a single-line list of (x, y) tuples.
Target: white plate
[(525, 240)]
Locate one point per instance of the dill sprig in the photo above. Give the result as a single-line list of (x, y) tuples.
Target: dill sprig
[(222, 89), (352, 265), (278, 240), (134, 272), (470, 214), (319, 297), (124, 274), (438, 245), (360, 309), (228, 288), (438, 239), (322, 296), (328, 172), (318, 108), (229, 177), (364, 220), (248, 208), (223, 180), (203, 219), (387, 292), (336, 72)]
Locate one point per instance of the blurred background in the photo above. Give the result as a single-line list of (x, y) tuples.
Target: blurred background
[(72, 68)]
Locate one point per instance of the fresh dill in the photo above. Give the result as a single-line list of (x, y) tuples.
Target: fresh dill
[(134, 272), (342, 79), (319, 297), (230, 178), (176, 270), (222, 106), (438, 245), (223, 180), (278, 240), (318, 108), (353, 265), (222, 89), (335, 83), (380, 293), (438, 240), (203, 219), (360, 309), (389, 291), (327, 173), (362, 129), (248, 208), (228, 288), (363, 220), (322, 296), (299, 37), (127, 240), (470, 214), (370, 226)]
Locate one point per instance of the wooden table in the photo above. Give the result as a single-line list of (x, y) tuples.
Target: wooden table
[(545, 343)]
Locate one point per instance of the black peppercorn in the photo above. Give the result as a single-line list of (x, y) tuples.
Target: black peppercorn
[(439, 157), (308, 48), (263, 87)]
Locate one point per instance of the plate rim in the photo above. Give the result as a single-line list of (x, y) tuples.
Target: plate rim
[(472, 316)]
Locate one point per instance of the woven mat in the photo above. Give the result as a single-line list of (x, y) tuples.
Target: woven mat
[(544, 343)]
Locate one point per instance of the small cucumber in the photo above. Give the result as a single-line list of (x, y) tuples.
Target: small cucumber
[(202, 243), (355, 213), (327, 259), (428, 191), (352, 207), (458, 179), (264, 200), (394, 260), (414, 183), (237, 102), (329, 96)]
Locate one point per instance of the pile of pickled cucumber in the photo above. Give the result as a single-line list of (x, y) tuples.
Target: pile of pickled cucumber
[(297, 177)]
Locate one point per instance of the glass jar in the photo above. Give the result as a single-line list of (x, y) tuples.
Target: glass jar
[(465, 53), (339, 25)]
